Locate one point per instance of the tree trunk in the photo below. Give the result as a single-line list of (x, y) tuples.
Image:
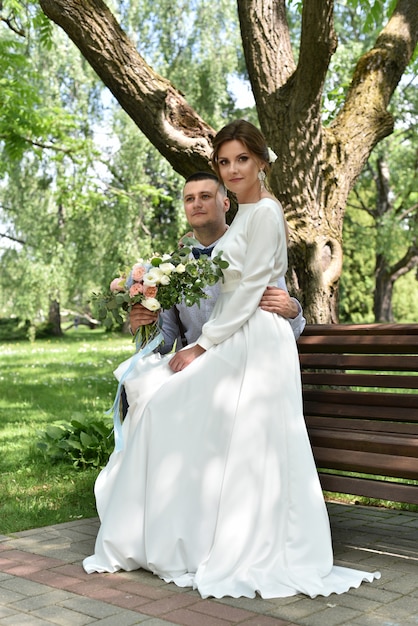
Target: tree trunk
[(382, 301), (386, 274), (54, 318), (317, 166)]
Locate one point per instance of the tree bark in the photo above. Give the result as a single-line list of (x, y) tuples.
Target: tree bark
[(54, 318), (317, 166)]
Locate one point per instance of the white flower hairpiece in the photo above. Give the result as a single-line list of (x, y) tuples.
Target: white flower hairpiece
[(272, 155)]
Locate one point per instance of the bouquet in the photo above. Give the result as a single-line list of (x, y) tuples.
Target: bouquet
[(159, 283)]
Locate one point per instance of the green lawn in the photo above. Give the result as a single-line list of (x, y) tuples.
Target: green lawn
[(40, 383), (48, 381)]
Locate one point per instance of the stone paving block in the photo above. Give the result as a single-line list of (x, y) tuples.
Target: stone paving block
[(128, 601), (7, 596), (222, 611), (159, 608), (149, 578), (407, 566), (113, 596), (24, 619), (6, 612), (376, 620), (353, 601), (25, 587), (51, 578), (91, 607), (403, 584), (265, 620), (63, 617), (377, 594), (256, 605), (74, 570), (298, 610), (411, 522), (330, 617), (126, 618), (36, 602), (405, 607), (185, 617), (153, 593), (156, 621)]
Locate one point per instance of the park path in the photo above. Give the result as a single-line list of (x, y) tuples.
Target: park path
[(42, 582)]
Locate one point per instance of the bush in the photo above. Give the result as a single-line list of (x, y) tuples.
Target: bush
[(83, 442), (12, 329)]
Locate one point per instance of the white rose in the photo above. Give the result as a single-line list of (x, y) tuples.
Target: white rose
[(165, 279), (151, 304), (165, 257), (180, 268), (153, 277), (166, 268)]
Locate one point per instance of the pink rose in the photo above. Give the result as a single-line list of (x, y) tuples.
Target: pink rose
[(117, 284), (138, 271), (150, 292), (135, 290)]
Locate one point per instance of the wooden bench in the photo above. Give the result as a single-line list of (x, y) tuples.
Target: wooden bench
[(360, 390)]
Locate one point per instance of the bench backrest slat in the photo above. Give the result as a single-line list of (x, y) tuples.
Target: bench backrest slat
[(370, 426), (375, 362), (361, 380)]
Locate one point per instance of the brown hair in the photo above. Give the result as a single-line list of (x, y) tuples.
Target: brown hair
[(197, 176), (246, 133)]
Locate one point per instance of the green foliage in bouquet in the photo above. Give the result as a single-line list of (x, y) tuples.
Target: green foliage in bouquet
[(160, 283)]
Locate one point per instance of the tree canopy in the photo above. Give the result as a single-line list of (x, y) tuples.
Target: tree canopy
[(318, 164), (78, 204)]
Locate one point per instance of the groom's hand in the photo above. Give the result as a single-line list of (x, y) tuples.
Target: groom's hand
[(140, 316)]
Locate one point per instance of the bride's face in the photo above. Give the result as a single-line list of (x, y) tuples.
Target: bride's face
[(239, 169)]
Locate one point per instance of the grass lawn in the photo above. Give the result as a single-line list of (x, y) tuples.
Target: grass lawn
[(48, 381), (40, 383)]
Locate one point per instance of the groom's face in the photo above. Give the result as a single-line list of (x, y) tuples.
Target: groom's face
[(204, 204)]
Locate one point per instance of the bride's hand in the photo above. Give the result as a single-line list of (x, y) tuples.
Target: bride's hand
[(184, 357)]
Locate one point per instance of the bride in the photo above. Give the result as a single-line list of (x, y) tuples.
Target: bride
[(216, 487)]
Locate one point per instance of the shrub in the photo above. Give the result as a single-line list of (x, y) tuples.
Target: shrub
[(84, 442)]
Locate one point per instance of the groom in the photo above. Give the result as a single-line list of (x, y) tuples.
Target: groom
[(206, 204)]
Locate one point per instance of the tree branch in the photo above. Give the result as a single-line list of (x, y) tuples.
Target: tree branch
[(15, 29), (318, 43), (153, 103), (364, 119), (407, 263), (6, 236), (267, 46)]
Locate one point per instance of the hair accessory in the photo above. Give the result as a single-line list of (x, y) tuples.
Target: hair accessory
[(272, 155)]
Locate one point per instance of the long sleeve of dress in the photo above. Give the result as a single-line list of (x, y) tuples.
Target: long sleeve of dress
[(256, 250)]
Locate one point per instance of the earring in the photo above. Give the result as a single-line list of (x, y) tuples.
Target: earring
[(262, 178)]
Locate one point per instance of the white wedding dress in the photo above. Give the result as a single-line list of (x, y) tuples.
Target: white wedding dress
[(216, 486)]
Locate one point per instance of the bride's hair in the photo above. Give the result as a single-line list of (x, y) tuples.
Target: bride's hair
[(246, 133)]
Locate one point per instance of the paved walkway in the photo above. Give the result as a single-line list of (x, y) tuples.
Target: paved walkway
[(42, 582)]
